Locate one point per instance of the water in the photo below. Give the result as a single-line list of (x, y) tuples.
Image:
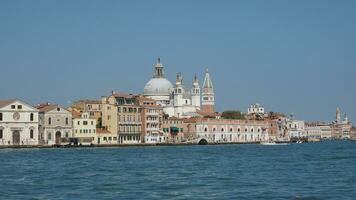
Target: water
[(299, 171)]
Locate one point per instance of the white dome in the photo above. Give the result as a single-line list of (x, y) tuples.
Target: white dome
[(158, 87)]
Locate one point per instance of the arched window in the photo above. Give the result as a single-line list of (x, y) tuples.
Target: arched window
[(214, 129), (0, 116), (245, 129), (31, 133), (258, 130), (49, 121), (31, 117), (205, 129), (251, 129), (67, 121), (230, 129), (222, 129), (238, 130)]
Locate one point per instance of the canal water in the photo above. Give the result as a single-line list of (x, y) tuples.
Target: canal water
[(298, 171)]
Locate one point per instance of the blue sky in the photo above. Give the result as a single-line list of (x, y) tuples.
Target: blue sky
[(292, 56)]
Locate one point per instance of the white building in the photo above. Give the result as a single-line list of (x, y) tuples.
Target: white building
[(84, 128), (295, 128), (18, 123), (256, 109), (177, 100), (231, 131), (313, 132), (55, 123)]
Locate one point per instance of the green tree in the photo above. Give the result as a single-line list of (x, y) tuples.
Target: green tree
[(232, 114)]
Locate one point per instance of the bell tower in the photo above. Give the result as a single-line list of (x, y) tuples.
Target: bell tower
[(196, 93), (208, 99)]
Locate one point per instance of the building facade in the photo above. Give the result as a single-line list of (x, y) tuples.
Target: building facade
[(93, 107), (55, 124), (151, 115), (122, 115), (230, 131), (84, 128), (18, 123)]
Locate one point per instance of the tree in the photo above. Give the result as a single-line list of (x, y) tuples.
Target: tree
[(233, 114)]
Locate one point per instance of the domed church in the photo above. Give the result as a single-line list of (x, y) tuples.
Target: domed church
[(177, 101)]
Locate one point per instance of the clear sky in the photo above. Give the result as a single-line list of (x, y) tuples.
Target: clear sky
[(291, 56)]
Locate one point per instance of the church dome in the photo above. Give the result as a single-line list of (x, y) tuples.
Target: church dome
[(158, 87)]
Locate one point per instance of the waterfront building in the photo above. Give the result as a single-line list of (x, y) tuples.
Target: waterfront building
[(175, 129), (151, 115), (177, 100), (228, 131), (18, 123), (353, 133), (313, 131), (55, 124), (295, 128), (122, 115), (84, 128), (93, 107), (105, 137), (340, 129)]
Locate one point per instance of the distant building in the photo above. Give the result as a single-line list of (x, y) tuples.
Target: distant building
[(175, 129), (84, 128), (313, 131), (93, 107), (55, 123), (123, 115), (228, 131), (151, 115), (105, 137), (18, 123), (341, 129), (295, 128), (256, 109)]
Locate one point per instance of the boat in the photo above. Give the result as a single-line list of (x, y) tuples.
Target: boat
[(272, 143)]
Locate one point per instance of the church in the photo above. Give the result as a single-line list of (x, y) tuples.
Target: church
[(177, 100)]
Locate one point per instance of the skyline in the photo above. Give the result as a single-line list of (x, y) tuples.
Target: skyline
[(295, 57)]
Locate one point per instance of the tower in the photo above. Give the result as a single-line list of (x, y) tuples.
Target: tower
[(196, 92), (208, 100), (338, 115), (178, 91)]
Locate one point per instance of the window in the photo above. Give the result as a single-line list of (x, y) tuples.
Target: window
[(67, 134), (49, 136), (0, 116), (67, 121), (31, 117), (222, 129), (13, 106), (206, 130), (85, 122), (92, 123), (58, 109), (230, 129), (1, 133), (31, 133), (49, 121), (78, 122), (19, 106)]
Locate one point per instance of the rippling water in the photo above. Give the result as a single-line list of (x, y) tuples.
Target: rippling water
[(298, 171)]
